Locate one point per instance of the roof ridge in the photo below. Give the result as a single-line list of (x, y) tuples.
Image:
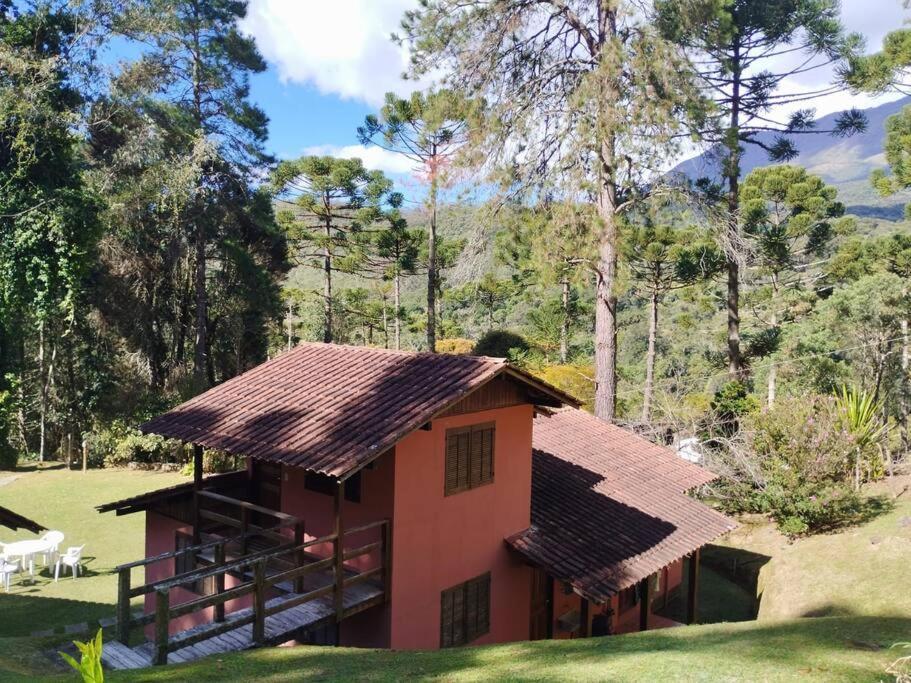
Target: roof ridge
[(397, 352)]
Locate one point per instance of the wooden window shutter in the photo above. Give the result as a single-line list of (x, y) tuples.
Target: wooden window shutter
[(465, 612), (486, 439), (446, 618), (469, 457)]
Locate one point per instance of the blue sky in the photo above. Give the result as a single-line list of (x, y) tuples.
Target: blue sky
[(331, 61), (300, 117)]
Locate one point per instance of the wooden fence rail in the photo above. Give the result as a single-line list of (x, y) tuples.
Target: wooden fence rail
[(259, 587)]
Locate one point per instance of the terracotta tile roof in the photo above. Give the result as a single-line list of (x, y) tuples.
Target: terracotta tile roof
[(332, 408), (608, 508), (14, 521)]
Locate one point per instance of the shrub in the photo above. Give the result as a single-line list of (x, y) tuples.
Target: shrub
[(456, 345), (500, 344), (790, 462), (137, 447), (575, 379)]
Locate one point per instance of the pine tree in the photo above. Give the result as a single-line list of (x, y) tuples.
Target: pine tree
[(329, 205), (581, 97), (429, 129)]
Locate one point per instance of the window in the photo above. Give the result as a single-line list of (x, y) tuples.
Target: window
[(469, 457), (320, 483), (465, 612)]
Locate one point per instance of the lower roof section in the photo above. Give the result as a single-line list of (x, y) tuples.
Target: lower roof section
[(608, 508)]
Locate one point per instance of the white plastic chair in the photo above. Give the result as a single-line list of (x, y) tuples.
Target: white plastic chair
[(54, 538), (71, 558), (7, 569)]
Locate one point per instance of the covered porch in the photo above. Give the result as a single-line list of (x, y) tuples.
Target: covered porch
[(235, 571)]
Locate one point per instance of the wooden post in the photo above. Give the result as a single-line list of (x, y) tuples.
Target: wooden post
[(259, 603), (123, 606), (300, 559), (197, 486), (644, 604), (692, 594), (220, 581), (386, 530), (69, 450), (339, 555), (585, 623), (162, 607), (244, 529), (85, 454)]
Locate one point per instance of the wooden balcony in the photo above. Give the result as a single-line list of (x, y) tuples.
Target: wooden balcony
[(293, 585)]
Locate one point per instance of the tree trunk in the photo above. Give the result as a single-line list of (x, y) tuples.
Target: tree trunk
[(397, 320), (732, 171), (773, 367), (605, 296), (42, 396), (290, 329), (327, 285), (650, 358), (905, 381), (202, 313), (564, 323), (432, 259)]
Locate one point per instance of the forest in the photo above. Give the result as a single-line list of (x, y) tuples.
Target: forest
[(151, 247)]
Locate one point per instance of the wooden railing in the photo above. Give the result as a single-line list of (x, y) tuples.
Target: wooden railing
[(259, 586), (126, 591)]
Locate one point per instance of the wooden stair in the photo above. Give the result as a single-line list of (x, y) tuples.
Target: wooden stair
[(280, 627)]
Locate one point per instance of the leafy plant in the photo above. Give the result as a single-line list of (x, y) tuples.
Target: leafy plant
[(500, 344), (860, 414), (89, 665)]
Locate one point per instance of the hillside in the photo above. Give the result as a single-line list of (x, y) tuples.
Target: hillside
[(846, 163)]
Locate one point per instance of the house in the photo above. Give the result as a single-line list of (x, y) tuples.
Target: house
[(402, 500)]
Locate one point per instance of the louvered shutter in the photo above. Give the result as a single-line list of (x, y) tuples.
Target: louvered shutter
[(477, 455), (452, 463), (483, 623), (471, 610), (458, 615), (464, 449), (486, 438), (446, 619)]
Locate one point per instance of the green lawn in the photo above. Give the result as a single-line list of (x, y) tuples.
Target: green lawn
[(64, 500), (827, 649)]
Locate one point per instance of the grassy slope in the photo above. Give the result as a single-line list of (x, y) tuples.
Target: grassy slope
[(64, 500), (861, 571), (828, 649)]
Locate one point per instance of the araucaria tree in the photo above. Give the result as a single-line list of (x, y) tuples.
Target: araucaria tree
[(580, 97), (746, 53), (790, 216), (195, 58), (397, 248), (661, 259), (429, 129), (328, 205)]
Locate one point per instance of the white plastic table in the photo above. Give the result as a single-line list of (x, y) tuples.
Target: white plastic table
[(26, 550)]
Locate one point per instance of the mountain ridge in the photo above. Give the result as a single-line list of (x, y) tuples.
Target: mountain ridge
[(844, 162)]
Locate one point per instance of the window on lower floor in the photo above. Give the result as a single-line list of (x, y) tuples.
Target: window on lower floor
[(465, 612), (469, 457)]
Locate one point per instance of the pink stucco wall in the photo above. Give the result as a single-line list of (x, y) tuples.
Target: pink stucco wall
[(160, 538), (440, 541)]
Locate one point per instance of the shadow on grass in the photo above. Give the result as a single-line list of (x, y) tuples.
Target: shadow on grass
[(830, 649), (25, 612)]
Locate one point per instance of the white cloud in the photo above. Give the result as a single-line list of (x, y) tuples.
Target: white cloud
[(374, 158), (873, 19), (341, 47)]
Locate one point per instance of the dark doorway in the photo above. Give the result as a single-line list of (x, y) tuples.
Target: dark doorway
[(542, 591), (267, 488)]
